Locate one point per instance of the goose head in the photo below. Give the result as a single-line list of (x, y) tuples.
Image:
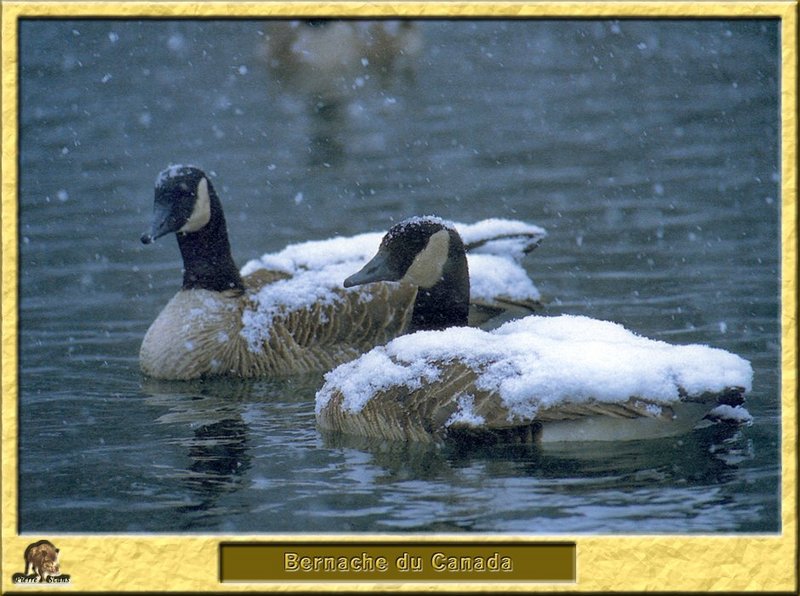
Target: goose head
[(426, 252), (186, 204), (182, 202)]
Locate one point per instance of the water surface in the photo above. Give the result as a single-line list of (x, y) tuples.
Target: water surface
[(648, 149)]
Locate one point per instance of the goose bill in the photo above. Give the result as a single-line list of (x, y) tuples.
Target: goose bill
[(377, 269), (164, 222)]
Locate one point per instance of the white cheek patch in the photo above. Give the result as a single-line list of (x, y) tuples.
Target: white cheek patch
[(426, 270), (201, 214)]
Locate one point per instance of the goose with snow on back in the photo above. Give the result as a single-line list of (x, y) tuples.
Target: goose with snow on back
[(285, 313), (535, 379)]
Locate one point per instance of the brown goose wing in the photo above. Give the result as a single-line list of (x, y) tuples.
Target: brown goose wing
[(401, 413), (326, 333), (500, 309), (359, 319)]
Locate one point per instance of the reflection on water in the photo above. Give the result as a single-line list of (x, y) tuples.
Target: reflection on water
[(329, 66), (219, 456), (647, 149)]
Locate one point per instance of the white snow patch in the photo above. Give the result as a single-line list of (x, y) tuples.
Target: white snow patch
[(735, 414), (505, 237), (465, 413), (170, 172), (654, 410), (494, 275), (318, 255)]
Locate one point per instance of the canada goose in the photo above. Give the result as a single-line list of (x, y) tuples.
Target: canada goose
[(281, 315), (331, 58), (320, 57), (562, 378), (324, 65), (499, 286), (261, 324)]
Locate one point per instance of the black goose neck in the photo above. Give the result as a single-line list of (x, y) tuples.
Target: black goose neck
[(446, 304), (207, 260)]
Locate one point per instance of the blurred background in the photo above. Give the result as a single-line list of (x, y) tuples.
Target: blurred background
[(649, 150)]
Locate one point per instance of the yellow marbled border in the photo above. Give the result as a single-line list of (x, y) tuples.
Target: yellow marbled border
[(630, 563)]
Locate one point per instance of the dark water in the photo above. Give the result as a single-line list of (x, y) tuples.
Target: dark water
[(649, 150)]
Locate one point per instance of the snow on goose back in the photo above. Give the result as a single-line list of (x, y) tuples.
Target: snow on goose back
[(563, 378)]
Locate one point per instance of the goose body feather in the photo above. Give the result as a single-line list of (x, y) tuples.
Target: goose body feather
[(202, 333), (535, 379)]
